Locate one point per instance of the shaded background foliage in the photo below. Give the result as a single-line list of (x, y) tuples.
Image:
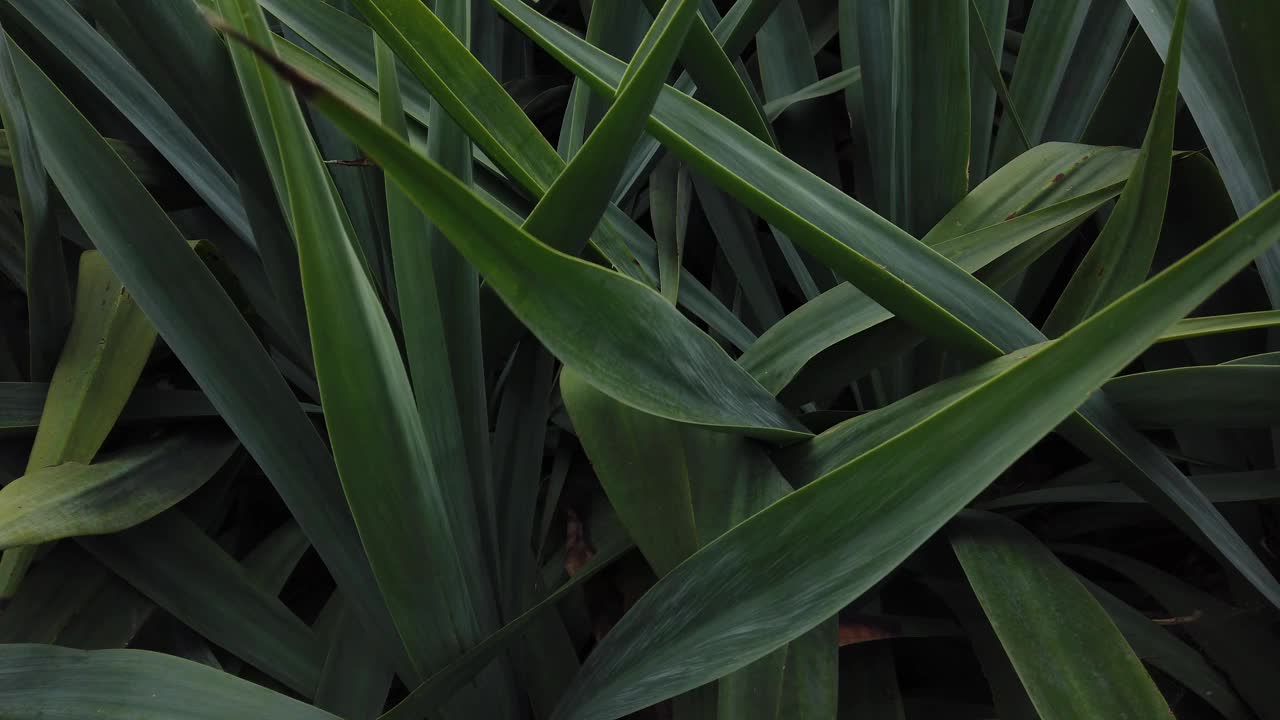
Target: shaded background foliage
[(691, 359)]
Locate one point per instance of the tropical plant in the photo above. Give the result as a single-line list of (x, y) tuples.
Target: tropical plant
[(867, 359)]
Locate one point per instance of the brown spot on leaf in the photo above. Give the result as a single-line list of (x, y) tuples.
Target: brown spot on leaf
[(1058, 178), (1011, 215)]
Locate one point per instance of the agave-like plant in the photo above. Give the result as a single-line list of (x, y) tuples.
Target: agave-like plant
[(691, 359)]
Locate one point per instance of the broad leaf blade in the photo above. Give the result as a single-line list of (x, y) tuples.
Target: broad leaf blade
[(842, 533), (112, 494), (201, 325), (558, 295), (52, 683)]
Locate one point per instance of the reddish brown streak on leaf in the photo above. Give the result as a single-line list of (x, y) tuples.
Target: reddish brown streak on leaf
[(866, 630)]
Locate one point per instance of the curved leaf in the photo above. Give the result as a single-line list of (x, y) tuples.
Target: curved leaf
[(1225, 396), (1071, 658), (905, 276), (840, 534), (644, 352), (201, 324), (112, 494), (43, 682)]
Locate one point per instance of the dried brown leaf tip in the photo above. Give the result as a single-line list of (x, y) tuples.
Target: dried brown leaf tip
[(863, 630)]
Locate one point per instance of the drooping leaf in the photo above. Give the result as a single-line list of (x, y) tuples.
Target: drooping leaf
[(48, 292), (113, 494), (202, 326), (556, 294), (107, 345)]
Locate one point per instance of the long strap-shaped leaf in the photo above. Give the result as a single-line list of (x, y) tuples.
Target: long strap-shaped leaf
[(171, 561), (94, 56), (618, 237), (118, 492), (639, 349), (1237, 395), (1221, 109), (1040, 194), (1214, 324), (845, 531), (43, 682), (677, 487), (575, 201), (1070, 656), (905, 276), (203, 328), (914, 59), (1121, 256), (438, 688), (382, 456), (106, 348), (48, 294)]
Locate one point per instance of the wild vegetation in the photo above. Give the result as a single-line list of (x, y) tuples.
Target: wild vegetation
[(697, 359)]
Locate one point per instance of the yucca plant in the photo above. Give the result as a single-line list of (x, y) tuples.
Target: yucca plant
[(697, 359)]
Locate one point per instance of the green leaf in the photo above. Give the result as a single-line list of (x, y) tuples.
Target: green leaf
[(439, 687), (355, 679), (21, 405), (670, 200), (48, 293), (382, 457), (711, 68), (182, 570), (1121, 256), (53, 683), (905, 276), (556, 295), (445, 68), (112, 494), (1219, 488), (985, 18), (1031, 201), (1162, 650), (829, 85), (185, 60), (457, 286), (1213, 95), (1226, 396), (1065, 59), (107, 346), (203, 328), (573, 204), (705, 484), (57, 591), (1239, 644), (105, 350), (1214, 324), (138, 101), (842, 533), (421, 318), (915, 65), (1071, 658)]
